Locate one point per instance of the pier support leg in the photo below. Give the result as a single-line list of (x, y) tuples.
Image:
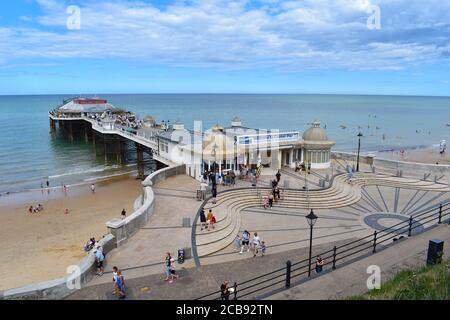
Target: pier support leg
[(71, 131), (140, 161), (105, 150), (52, 125), (86, 138)]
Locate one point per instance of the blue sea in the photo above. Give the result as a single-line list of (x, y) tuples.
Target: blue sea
[(30, 155)]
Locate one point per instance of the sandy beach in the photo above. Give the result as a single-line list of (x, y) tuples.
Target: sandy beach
[(39, 247)]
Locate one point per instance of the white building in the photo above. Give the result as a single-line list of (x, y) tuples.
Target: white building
[(230, 148)]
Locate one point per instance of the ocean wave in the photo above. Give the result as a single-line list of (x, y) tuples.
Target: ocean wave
[(79, 172)]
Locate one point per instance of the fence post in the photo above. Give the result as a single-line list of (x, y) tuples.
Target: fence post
[(288, 274), (410, 226), (374, 242), (334, 258), (440, 214), (235, 291)]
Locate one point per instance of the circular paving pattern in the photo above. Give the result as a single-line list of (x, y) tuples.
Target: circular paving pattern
[(383, 221)]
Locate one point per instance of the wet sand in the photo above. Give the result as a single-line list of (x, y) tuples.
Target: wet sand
[(40, 247), (428, 155)]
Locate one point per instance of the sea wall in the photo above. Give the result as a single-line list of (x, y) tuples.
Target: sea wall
[(394, 165), (119, 231)]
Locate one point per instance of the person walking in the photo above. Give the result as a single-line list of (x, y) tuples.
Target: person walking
[(119, 284), (309, 167), (47, 183), (278, 176), (172, 270), (263, 248), (123, 214), (256, 243), (203, 223), (167, 264), (233, 178), (271, 197), (214, 194), (245, 241), (93, 188), (210, 219)]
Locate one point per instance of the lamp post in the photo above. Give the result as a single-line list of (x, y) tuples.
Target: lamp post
[(311, 218), (359, 148), (214, 154)]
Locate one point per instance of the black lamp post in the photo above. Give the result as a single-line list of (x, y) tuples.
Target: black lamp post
[(214, 154), (311, 218), (359, 148)]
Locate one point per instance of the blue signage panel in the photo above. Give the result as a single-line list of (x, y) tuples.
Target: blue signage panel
[(268, 138)]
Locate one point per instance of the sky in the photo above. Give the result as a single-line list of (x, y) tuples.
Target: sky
[(394, 47)]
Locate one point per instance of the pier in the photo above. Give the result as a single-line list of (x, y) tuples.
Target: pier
[(106, 133)]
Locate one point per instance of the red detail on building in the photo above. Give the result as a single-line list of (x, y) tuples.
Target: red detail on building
[(91, 101)]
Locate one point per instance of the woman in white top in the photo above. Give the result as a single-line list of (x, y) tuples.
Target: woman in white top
[(256, 244)]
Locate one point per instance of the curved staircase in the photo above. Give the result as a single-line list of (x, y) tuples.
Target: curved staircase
[(230, 203)]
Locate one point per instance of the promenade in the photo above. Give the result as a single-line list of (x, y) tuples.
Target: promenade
[(283, 228), (344, 281)]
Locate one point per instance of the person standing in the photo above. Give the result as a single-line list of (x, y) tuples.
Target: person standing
[(224, 291), (93, 188), (309, 167), (278, 175), (237, 243), (123, 214), (319, 264), (99, 258), (47, 183)]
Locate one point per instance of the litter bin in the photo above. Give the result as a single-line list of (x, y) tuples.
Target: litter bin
[(200, 194), (435, 251), (181, 255)]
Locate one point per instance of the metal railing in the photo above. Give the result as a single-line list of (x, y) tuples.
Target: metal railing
[(282, 278)]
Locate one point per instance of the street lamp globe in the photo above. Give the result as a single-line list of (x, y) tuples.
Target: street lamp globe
[(311, 218)]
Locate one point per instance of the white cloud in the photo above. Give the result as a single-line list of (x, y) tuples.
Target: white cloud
[(286, 35)]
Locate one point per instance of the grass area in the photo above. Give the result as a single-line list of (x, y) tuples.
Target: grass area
[(426, 283)]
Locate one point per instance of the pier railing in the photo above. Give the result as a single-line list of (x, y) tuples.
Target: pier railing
[(295, 273)]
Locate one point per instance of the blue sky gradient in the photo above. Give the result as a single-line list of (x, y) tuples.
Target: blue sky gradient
[(218, 46)]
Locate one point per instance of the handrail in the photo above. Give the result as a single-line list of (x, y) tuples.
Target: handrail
[(337, 254)]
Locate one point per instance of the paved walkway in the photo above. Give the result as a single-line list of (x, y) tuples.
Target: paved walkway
[(195, 282), (351, 279)]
